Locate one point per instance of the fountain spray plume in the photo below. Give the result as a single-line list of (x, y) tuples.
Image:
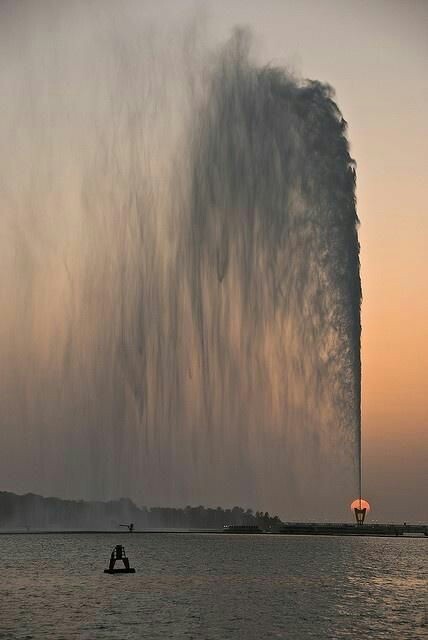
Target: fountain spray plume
[(274, 273), (194, 213)]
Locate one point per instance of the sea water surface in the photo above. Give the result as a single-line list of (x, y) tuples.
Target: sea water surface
[(213, 587)]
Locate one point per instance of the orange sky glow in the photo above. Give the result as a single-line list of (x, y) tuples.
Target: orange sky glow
[(375, 56)]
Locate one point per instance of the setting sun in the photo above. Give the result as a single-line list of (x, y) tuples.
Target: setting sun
[(359, 503)]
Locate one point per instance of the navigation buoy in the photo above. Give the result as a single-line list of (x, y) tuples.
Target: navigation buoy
[(119, 553)]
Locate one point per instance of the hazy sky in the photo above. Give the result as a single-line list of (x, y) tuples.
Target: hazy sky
[(375, 54)]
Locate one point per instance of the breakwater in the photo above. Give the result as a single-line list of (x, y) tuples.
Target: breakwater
[(340, 529), (301, 528)]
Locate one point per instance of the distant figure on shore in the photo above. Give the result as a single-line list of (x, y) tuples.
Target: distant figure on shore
[(130, 526)]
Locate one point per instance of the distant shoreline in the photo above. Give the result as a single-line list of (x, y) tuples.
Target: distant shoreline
[(34, 514), (312, 529)]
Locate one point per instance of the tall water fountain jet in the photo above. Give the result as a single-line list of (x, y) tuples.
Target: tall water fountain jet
[(200, 235), (274, 269)]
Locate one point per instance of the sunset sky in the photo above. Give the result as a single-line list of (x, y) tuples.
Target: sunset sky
[(374, 53)]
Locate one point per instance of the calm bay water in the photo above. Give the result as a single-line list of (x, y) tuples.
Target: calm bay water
[(213, 587)]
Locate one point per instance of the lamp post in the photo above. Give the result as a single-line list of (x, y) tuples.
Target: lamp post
[(360, 508)]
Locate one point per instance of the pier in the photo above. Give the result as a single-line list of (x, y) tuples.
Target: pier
[(288, 528), (338, 529)]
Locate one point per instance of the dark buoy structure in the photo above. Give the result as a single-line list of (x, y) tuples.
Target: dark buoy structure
[(119, 553), (360, 508)]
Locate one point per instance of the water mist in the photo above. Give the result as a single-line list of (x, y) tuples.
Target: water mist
[(182, 258)]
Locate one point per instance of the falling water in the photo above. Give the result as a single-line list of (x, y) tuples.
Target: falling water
[(182, 319)]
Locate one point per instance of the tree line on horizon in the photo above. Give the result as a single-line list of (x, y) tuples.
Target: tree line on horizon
[(32, 511)]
